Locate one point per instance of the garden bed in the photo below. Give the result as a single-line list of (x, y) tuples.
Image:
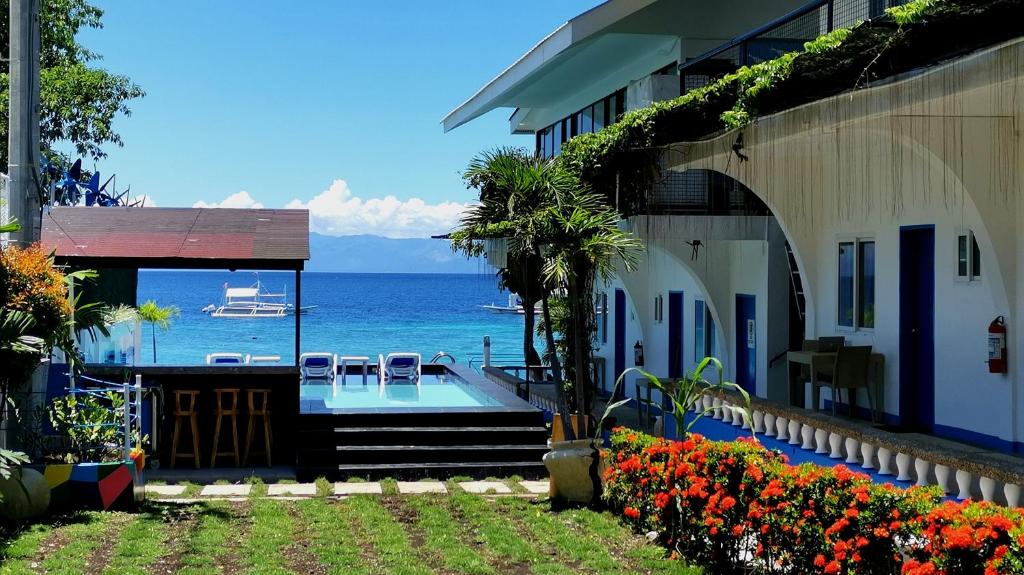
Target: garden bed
[(735, 506)]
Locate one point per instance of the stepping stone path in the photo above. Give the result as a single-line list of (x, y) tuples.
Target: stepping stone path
[(415, 487), (357, 488), (226, 490), (483, 487), (536, 487), (293, 489), (166, 490), (303, 490)]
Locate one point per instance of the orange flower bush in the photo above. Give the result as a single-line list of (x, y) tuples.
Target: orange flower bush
[(30, 283), (736, 506)]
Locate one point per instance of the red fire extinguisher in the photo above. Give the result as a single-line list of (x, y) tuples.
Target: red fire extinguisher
[(997, 345)]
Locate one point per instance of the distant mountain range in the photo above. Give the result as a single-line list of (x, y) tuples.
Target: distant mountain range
[(376, 254)]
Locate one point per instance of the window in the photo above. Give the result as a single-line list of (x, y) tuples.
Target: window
[(856, 297), (703, 332), (592, 118), (968, 257), (601, 307), (699, 349)]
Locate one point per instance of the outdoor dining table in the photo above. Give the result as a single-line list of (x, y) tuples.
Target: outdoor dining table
[(822, 362)]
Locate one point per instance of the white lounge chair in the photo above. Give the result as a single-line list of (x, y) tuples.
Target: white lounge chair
[(265, 359), (226, 359), (317, 365), (400, 366)]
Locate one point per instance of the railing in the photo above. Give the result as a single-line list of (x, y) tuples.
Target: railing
[(785, 34), (129, 420)]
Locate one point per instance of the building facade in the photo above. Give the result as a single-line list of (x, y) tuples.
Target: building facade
[(888, 216)]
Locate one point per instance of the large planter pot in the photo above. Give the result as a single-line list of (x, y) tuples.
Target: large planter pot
[(23, 495), (572, 466), (114, 485)]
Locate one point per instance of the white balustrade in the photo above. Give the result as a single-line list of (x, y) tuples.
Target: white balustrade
[(852, 450), (835, 442), (769, 425), (821, 441), (758, 418), (942, 473), (781, 427), (794, 432), (903, 467), (988, 488), (1012, 493), (921, 468), (884, 461), (807, 434), (867, 455), (963, 484)]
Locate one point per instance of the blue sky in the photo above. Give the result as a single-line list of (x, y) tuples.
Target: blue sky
[(331, 105)]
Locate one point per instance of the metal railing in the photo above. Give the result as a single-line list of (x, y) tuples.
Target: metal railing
[(785, 34), (128, 416)]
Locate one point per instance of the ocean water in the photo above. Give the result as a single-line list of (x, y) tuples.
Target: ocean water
[(356, 314)]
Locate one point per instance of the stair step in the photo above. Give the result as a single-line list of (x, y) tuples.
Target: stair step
[(438, 447), (438, 429)]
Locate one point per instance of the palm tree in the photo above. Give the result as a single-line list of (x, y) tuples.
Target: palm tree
[(157, 317), (583, 242), (516, 188)]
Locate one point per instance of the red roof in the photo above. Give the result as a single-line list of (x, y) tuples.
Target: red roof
[(179, 237)]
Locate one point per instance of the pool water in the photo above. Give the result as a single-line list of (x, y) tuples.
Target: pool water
[(434, 391)]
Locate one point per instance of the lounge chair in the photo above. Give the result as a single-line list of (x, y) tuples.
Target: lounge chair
[(265, 359), (317, 366), (400, 366), (226, 359)]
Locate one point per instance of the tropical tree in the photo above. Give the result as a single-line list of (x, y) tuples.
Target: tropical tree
[(583, 242), (157, 317), (515, 190), (78, 100)]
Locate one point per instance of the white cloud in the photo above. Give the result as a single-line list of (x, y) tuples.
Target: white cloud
[(336, 212), (142, 200), (237, 200)]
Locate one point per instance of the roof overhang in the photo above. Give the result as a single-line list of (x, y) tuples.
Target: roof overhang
[(572, 34), (177, 238)]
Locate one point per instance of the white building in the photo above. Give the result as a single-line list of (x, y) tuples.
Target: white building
[(888, 215)]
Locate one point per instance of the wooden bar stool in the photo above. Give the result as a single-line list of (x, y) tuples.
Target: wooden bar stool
[(259, 407), (189, 414), (232, 412)]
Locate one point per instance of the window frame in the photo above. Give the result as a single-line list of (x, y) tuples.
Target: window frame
[(972, 259), (856, 240)]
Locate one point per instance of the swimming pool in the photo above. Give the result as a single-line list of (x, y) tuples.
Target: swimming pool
[(435, 391)]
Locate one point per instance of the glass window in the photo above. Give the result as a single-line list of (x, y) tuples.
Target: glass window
[(556, 146), (587, 120), (866, 284), (599, 116), (601, 306), (975, 258), (962, 256), (711, 335), (575, 125), (699, 347), (846, 271), (620, 104)]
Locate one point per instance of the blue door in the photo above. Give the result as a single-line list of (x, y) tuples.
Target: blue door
[(620, 336), (675, 334), (746, 343), (917, 327)]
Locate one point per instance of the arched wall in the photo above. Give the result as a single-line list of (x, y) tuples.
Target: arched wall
[(938, 148)]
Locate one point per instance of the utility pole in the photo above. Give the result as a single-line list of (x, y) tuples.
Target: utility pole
[(22, 201)]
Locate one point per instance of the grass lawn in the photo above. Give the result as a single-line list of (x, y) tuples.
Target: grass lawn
[(362, 535)]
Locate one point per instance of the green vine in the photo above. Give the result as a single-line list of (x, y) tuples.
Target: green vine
[(622, 161)]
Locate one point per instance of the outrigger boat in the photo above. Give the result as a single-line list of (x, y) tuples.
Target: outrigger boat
[(253, 301), (515, 305)]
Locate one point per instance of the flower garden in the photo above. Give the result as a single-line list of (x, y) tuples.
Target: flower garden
[(734, 507)]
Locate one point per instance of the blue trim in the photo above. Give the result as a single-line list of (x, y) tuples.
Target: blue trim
[(917, 316), (746, 357)]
